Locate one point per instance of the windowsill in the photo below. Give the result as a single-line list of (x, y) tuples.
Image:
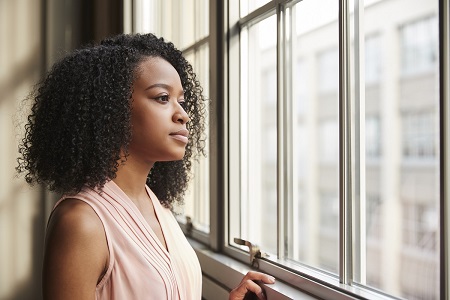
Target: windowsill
[(228, 273), (222, 273)]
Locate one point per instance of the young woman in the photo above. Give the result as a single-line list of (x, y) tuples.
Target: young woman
[(113, 128)]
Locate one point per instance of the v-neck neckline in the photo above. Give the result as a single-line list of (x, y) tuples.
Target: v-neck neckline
[(156, 209), (142, 219)]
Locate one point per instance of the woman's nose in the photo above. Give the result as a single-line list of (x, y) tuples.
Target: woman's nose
[(180, 115)]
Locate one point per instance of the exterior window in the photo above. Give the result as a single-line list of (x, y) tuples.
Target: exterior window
[(419, 137), (419, 46), (420, 226)]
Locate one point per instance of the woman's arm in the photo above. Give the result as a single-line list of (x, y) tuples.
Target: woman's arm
[(76, 252)]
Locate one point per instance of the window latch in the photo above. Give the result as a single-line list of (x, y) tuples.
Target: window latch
[(254, 251), (189, 225)]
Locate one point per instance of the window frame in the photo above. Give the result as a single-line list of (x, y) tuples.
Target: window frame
[(444, 109), (306, 278)]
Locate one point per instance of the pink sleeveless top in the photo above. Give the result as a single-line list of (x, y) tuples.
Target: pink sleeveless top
[(140, 267)]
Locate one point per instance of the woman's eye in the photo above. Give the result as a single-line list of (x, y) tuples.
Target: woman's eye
[(182, 103), (163, 98)]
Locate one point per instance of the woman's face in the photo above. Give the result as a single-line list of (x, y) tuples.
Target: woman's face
[(158, 119)]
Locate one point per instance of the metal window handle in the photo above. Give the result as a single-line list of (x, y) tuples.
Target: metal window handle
[(253, 251), (189, 225)]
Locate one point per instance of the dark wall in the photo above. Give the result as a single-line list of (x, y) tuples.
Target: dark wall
[(99, 19)]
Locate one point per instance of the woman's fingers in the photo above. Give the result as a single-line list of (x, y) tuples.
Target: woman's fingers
[(248, 284), (244, 287), (252, 275)]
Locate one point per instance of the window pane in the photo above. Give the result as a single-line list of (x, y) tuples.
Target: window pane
[(247, 6), (314, 221), (201, 19), (400, 192), (186, 19), (258, 206), (183, 22), (193, 16)]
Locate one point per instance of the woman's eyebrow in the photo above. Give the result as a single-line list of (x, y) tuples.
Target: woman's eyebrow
[(165, 86), (161, 85)]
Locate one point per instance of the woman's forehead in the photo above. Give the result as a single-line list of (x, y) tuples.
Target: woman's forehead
[(156, 70)]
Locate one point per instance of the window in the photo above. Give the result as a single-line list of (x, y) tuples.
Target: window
[(258, 152), (418, 45), (251, 5), (419, 136), (310, 202), (329, 140), (420, 226), (325, 150)]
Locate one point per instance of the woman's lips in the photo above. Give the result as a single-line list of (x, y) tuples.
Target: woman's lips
[(181, 135)]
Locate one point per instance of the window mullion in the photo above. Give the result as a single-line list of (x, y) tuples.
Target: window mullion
[(345, 179), (444, 64), (282, 123), (292, 198), (217, 129), (359, 262)]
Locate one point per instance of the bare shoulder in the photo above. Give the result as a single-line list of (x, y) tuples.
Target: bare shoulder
[(76, 253), (74, 216), (74, 223)]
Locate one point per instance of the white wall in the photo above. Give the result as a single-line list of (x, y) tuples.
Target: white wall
[(21, 220)]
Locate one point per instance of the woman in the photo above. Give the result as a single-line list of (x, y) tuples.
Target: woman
[(113, 128)]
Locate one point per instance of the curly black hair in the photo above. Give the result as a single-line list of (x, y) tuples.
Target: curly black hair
[(80, 119)]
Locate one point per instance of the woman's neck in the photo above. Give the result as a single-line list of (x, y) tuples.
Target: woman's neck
[(131, 177)]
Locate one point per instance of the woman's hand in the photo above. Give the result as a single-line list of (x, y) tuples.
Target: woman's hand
[(248, 284)]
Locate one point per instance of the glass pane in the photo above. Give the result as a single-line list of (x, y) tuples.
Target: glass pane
[(202, 19), (151, 17), (186, 19), (247, 6), (313, 236), (258, 207), (193, 19), (183, 22), (398, 250)]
